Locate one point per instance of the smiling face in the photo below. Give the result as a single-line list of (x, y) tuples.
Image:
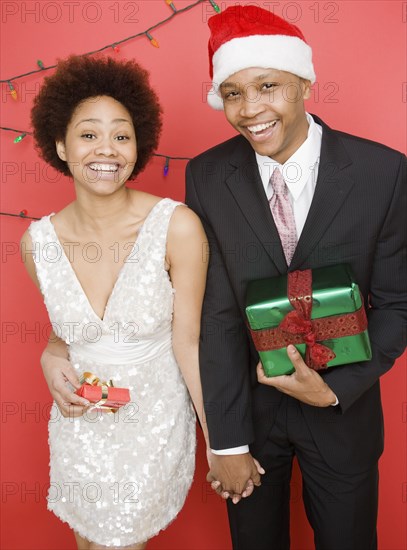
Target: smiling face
[(267, 107), (100, 145)]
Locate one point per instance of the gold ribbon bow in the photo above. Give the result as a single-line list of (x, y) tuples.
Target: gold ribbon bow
[(93, 380)]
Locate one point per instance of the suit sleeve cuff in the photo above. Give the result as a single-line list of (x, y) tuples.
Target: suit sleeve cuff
[(232, 451)]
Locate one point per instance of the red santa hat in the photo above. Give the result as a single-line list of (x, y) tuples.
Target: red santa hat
[(248, 36)]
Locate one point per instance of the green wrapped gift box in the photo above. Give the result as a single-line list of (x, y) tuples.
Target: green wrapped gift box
[(320, 311)]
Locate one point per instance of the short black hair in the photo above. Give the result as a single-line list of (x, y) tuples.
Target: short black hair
[(78, 78)]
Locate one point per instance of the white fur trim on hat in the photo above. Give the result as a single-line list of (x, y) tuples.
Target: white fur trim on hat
[(284, 53)]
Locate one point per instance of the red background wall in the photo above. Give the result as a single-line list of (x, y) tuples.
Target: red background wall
[(359, 53)]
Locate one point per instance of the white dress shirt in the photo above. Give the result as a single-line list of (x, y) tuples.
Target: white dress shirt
[(300, 174)]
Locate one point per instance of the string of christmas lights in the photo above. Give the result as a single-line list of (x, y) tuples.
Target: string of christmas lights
[(22, 214), (114, 45), (23, 133)]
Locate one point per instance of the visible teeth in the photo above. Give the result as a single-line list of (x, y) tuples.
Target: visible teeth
[(104, 167), (261, 127)]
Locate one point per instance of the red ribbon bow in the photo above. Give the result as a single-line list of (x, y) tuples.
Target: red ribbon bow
[(299, 291), (297, 327), (317, 355)]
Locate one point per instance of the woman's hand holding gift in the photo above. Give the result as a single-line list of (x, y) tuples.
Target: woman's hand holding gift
[(59, 375)]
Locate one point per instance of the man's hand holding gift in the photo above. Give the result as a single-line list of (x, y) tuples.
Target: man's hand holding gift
[(304, 384)]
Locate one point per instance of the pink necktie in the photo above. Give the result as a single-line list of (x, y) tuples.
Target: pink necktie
[(283, 215)]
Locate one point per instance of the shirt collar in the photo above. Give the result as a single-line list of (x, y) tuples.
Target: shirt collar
[(300, 166)]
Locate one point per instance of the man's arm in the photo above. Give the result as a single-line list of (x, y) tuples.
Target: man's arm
[(224, 368), (387, 315), (224, 348)]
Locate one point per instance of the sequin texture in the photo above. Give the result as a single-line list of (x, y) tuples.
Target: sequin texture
[(118, 479)]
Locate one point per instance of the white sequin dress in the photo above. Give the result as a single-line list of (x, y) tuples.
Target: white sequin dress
[(118, 479)]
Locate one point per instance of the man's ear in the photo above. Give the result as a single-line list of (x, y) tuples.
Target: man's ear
[(306, 88), (60, 147)]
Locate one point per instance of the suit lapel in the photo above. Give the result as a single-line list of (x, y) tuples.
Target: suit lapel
[(332, 188), (247, 189)]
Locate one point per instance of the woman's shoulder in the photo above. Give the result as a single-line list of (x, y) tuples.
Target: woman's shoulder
[(184, 222), (147, 201), (62, 217), (58, 223), (143, 204), (186, 237)]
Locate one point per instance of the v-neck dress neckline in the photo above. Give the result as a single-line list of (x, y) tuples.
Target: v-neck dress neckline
[(75, 278)]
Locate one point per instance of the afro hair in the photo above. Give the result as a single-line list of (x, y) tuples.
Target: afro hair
[(78, 78)]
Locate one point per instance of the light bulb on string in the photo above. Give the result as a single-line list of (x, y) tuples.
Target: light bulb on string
[(171, 4), (167, 166), (152, 40), (20, 137), (215, 6), (40, 64), (13, 92), (23, 213), (115, 48)]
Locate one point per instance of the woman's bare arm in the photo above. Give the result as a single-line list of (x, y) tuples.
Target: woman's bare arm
[(186, 254), (54, 360)]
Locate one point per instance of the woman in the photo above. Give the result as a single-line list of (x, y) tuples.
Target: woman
[(122, 274)]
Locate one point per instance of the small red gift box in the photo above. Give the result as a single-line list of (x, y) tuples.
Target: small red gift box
[(102, 394)]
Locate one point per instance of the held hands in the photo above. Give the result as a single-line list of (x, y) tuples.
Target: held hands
[(304, 384), (234, 476), (57, 372)]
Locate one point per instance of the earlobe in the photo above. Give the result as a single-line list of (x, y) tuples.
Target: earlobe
[(60, 147), (306, 89)]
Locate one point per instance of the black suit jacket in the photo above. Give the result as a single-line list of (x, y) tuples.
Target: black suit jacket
[(357, 216)]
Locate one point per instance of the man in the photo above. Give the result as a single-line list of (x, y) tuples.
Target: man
[(290, 193)]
